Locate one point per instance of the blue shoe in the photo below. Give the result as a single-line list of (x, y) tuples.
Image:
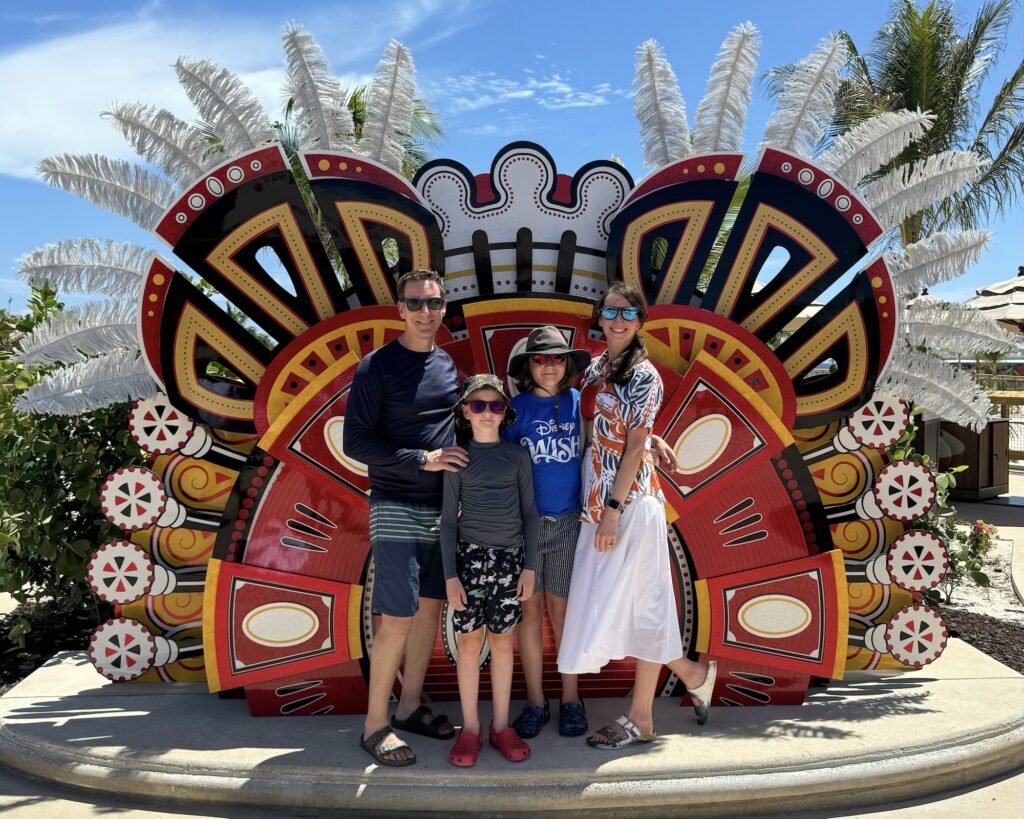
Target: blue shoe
[(529, 723), (572, 719)]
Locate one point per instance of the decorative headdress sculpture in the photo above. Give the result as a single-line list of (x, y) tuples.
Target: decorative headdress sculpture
[(247, 561)]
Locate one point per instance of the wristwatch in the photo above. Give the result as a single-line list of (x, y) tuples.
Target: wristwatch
[(614, 505), (423, 458)]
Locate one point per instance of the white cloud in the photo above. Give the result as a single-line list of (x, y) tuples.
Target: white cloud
[(471, 92), (56, 88)]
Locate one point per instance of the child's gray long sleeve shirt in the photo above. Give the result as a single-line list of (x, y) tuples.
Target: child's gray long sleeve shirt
[(498, 508)]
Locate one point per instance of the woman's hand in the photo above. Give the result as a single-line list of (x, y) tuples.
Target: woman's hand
[(524, 588), (607, 531), (664, 453), (456, 594)]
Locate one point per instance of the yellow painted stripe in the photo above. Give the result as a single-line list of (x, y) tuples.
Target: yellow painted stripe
[(843, 613), (209, 618), (703, 637), (355, 610)]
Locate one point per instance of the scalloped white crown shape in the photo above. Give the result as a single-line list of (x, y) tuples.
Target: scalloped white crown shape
[(524, 181)]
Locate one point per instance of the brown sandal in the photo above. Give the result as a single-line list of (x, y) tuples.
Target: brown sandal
[(614, 741)]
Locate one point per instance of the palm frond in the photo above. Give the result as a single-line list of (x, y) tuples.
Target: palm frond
[(86, 266), (225, 104), (319, 101), (942, 325), (937, 259), (118, 186), (873, 143), (946, 391), (722, 112), (659, 108), (89, 329), (109, 379), (807, 102), (911, 188), (389, 107), (162, 139)]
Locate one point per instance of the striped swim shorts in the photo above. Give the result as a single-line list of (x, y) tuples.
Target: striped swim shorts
[(407, 556), (556, 550)]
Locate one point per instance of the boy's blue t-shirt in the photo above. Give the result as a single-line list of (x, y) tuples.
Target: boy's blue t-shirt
[(554, 448)]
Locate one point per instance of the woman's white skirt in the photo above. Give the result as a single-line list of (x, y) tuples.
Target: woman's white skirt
[(621, 602)]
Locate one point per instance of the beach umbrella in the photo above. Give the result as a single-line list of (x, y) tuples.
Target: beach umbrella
[(1003, 301)]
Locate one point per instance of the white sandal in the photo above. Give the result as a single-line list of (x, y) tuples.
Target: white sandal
[(633, 736), (701, 695)]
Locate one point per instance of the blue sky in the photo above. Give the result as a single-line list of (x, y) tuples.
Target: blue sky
[(558, 73)]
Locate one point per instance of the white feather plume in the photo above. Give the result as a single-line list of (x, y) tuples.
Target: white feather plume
[(87, 266), (162, 139), (943, 325), (319, 102), (226, 104), (118, 186), (109, 379), (946, 391), (939, 258), (89, 329), (389, 107), (659, 107), (722, 112), (807, 101), (870, 145), (911, 188)]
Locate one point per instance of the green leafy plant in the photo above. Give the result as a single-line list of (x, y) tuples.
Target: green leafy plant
[(968, 546), (53, 468)]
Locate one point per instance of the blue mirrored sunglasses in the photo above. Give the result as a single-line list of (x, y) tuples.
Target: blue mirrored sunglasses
[(627, 313)]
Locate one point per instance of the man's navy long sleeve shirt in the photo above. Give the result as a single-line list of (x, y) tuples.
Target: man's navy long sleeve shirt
[(401, 404)]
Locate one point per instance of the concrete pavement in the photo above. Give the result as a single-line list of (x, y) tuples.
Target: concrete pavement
[(871, 739)]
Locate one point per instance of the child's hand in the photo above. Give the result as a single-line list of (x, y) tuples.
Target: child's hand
[(524, 588), (456, 594)]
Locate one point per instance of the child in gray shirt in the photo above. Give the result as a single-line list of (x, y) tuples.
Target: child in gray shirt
[(489, 529)]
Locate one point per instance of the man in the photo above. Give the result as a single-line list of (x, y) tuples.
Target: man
[(399, 423)]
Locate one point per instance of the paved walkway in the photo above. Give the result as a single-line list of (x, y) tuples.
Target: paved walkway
[(869, 739)]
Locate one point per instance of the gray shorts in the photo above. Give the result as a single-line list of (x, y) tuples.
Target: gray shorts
[(556, 550)]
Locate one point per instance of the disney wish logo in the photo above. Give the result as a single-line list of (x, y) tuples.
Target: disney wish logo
[(554, 442)]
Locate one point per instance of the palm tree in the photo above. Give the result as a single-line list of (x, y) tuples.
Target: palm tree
[(920, 60)]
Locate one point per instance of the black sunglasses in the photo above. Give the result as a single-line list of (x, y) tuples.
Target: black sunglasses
[(476, 406), (415, 305)]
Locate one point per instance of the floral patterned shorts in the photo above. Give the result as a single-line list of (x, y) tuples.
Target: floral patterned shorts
[(489, 577)]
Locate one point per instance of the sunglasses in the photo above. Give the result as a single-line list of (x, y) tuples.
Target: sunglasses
[(627, 313), (414, 305), (476, 406), (553, 358)]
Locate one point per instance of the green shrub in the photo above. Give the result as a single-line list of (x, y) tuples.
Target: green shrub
[(51, 471)]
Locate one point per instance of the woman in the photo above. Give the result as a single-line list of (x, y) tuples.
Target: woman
[(621, 601)]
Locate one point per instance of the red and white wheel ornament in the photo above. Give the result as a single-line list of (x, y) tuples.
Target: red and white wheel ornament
[(133, 498), (161, 429), (904, 490), (917, 561), (916, 635), (122, 649), (879, 423), (119, 572)]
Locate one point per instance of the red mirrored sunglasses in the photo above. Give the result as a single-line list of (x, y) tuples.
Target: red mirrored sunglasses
[(543, 358)]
